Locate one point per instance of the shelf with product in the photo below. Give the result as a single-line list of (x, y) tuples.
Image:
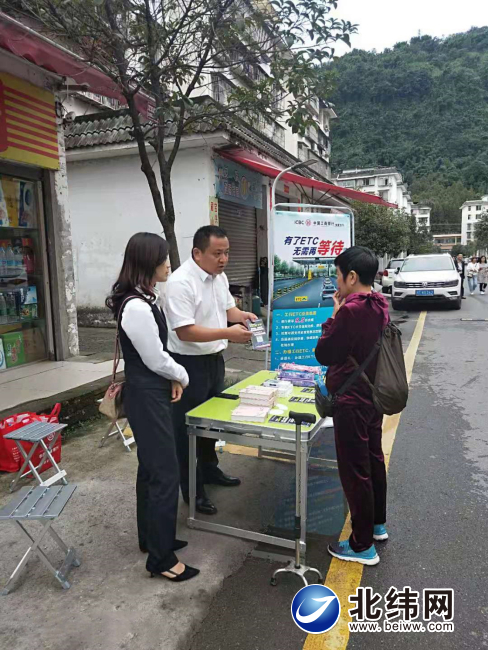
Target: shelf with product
[(23, 332)]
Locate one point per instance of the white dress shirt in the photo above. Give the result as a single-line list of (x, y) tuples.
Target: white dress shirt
[(194, 297), (139, 324)]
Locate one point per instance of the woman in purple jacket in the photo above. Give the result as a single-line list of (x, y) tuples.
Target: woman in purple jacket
[(359, 317)]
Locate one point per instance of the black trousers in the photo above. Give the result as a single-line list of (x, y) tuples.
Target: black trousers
[(149, 414), (361, 469), (206, 373), (462, 285)]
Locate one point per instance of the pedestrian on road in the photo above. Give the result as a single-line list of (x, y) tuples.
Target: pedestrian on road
[(357, 322), (461, 269), (198, 307), (483, 274), (153, 380), (472, 273)]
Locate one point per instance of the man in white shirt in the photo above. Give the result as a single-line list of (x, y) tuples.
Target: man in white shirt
[(199, 307)]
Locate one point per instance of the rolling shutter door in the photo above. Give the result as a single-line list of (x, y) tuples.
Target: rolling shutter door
[(239, 222)]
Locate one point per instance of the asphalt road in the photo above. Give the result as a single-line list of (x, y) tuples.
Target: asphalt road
[(438, 488), (309, 295)]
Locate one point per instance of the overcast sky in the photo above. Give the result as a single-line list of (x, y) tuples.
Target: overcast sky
[(382, 23)]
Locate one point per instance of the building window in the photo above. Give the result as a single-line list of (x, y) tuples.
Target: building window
[(478, 208), (469, 217), (469, 208)]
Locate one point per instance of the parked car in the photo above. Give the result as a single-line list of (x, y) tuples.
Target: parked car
[(328, 288), (389, 274), (427, 278)]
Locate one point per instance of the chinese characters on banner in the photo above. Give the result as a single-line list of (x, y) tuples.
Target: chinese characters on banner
[(305, 246)]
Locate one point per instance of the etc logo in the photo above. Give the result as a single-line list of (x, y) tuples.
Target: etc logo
[(315, 609)]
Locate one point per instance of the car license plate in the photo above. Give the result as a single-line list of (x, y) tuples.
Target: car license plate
[(425, 292)]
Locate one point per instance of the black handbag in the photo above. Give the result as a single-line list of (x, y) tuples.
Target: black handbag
[(325, 404)]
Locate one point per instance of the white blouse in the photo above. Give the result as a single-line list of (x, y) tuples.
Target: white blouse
[(473, 268), (139, 324)]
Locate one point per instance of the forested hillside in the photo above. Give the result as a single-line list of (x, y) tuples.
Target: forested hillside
[(421, 106)]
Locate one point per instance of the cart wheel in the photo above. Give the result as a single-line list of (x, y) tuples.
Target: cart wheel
[(273, 582)]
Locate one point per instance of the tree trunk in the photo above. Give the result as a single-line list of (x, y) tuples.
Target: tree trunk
[(166, 219), (174, 254)]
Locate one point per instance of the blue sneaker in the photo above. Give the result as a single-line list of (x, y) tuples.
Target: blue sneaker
[(343, 551), (379, 533)]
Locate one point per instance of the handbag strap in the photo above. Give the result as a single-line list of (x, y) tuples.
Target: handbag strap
[(117, 337)]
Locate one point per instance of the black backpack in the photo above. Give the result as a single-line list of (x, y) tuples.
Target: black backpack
[(390, 386)]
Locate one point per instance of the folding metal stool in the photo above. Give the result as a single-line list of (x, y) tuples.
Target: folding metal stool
[(43, 504), (116, 429), (38, 433)]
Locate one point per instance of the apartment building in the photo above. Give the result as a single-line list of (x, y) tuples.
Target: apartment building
[(471, 212), (422, 215), (384, 182)]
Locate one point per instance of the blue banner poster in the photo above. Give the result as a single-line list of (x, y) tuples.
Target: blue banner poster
[(304, 281)]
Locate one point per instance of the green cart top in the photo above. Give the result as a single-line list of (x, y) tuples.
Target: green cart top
[(217, 412)]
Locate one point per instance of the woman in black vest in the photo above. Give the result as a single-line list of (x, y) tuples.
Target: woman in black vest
[(153, 381)]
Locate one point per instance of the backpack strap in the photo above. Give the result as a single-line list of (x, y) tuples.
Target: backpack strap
[(359, 368)]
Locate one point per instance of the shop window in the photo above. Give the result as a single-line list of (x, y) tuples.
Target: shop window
[(23, 328)]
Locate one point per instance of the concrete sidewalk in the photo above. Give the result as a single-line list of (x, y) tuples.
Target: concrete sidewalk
[(79, 382), (39, 386), (112, 603)]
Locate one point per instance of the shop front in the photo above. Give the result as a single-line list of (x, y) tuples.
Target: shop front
[(28, 147), (240, 195)]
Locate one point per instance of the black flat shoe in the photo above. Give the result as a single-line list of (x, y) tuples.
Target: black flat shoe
[(178, 545), (187, 574), (223, 479)]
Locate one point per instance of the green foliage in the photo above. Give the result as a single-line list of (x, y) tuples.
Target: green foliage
[(467, 251), (481, 232), (421, 106), (381, 229)]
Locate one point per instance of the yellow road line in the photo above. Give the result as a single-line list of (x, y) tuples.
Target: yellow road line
[(344, 577)]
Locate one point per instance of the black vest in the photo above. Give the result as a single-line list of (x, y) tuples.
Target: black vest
[(136, 371)]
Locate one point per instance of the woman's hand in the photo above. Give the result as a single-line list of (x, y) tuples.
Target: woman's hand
[(338, 302), (176, 391)]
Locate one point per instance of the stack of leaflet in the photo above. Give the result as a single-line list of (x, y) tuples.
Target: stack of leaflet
[(298, 375), (246, 413), (284, 388), (258, 396), (256, 402)]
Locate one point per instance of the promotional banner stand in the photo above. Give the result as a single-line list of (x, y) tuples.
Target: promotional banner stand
[(308, 213)]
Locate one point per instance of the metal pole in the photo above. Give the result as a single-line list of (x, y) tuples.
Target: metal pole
[(298, 494)]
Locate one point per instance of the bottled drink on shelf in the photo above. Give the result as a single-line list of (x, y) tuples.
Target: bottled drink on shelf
[(12, 314), (3, 260), (10, 261), (3, 310)]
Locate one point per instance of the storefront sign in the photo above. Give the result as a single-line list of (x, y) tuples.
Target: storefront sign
[(305, 280), (238, 184), (28, 132), (214, 211)]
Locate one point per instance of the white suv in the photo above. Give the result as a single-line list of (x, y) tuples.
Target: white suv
[(389, 274), (427, 278)]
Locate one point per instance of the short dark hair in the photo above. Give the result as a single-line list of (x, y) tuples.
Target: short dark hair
[(201, 239), (360, 259)]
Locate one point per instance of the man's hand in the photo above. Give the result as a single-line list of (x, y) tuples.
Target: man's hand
[(247, 315), (338, 302), (238, 334), (176, 391)]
